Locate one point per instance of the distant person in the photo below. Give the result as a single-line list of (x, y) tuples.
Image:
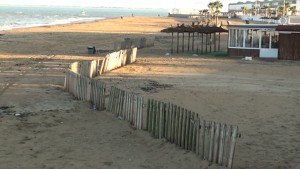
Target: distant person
[(158, 15), (132, 14), (121, 17)]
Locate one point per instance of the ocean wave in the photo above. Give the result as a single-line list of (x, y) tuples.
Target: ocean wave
[(10, 26)]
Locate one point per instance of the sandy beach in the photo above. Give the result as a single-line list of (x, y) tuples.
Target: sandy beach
[(42, 126)]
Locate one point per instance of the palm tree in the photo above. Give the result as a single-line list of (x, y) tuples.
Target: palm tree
[(205, 11), (244, 9), (280, 11), (287, 6), (218, 5), (211, 7), (293, 10), (267, 10)]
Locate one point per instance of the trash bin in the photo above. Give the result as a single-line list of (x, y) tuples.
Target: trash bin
[(91, 49)]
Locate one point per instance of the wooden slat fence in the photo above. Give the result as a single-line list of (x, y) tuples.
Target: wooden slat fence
[(98, 89), (89, 68), (136, 42), (70, 81), (117, 59), (211, 141), (126, 106), (84, 88)]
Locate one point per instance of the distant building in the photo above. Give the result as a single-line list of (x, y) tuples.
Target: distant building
[(189, 13), (259, 5)]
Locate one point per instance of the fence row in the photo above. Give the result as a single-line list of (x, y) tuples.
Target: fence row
[(127, 106), (212, 141), (86, 68), (111, 61), (137, 42), (118, 59), (84, 88)]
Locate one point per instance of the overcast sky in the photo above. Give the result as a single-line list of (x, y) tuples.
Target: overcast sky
[(168, 4)]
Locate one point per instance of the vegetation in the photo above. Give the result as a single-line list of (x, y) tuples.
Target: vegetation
[(244, 9), (213, 11)]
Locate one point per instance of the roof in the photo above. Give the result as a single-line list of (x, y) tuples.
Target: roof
[(254, 26), (292, 28), (195, 28)]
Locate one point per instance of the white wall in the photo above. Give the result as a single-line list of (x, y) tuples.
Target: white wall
[(239, 6)]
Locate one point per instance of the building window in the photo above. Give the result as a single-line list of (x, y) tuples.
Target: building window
[(249, 39), (240, 38), (274, 39), (265, 39), (255, 39), (232, 38), (244, 38)]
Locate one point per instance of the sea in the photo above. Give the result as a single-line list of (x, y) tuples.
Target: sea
[(13, 17)]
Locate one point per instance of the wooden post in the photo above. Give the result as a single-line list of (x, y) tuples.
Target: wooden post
[(215, 43), (179, 126), (177, 49), (191, 136), (216, 142), (201, 43), (189, 41), (221, 145), (210, 42), (197, 135), (154, 118), (193, 41), (172, 123), (160, 119), (183, 128), (219, 41), (232, 146), (167, 122), (148, 114), (176, 125), (182, 41), (206, 43), (207, 126), (211, 141), (187, 122), (172, 44), (197, 48), (226, 144)]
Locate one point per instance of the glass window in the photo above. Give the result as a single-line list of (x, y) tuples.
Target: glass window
[(232, 38), (248, 40), (255, 36), (265, 39), (240, 38), (274, 39)]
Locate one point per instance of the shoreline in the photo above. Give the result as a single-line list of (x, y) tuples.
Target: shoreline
[(99, 24), (56, 24)]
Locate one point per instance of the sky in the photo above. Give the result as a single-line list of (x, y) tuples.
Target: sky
[(167, 4)]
